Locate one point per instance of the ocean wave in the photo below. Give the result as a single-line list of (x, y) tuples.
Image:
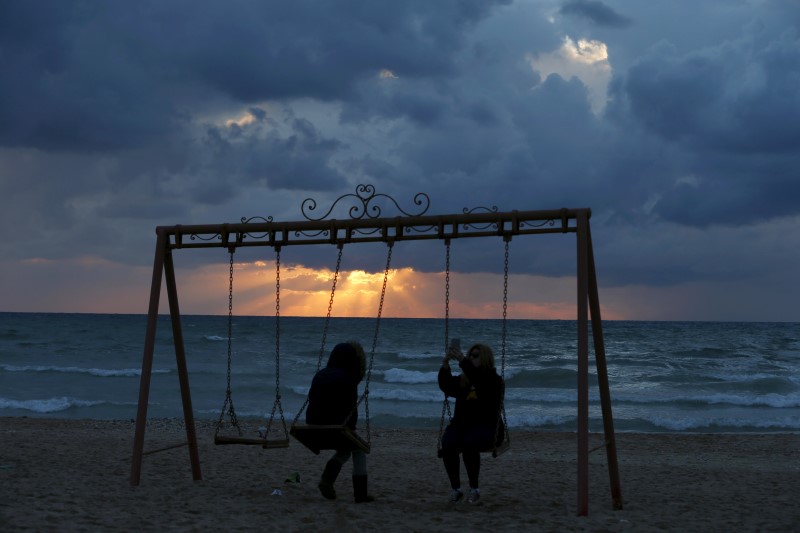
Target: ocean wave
[(766, 400), (418, 355), (542, 395), (548, 396), (759, 382), (389, 394), (260, 414), (50, 405), (407, 395), (553, 377), (740, 400), (789, 423), (570, 396), (100, 372), (537, 420), (399, 375), (300, 390), (657, 422)]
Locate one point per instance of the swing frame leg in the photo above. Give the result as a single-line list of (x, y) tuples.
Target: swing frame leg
[(589, 308), (163, 264)]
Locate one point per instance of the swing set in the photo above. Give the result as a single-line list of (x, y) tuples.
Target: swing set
[(367, 225)]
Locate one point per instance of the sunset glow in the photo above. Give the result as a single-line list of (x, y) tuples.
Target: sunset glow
[(306, 292)]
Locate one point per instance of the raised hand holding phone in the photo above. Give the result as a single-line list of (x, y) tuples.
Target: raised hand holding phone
[(454, 352)]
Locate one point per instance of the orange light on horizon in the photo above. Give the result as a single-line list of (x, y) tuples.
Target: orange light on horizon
[(306, 291), (100, 286)]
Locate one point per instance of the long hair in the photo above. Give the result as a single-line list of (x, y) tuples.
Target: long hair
[(486, 354), (486, 357)]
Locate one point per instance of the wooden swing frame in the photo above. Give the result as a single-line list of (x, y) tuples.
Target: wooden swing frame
[(478, 222)]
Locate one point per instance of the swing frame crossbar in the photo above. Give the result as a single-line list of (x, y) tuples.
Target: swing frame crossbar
[(479, 222), (346, 231)]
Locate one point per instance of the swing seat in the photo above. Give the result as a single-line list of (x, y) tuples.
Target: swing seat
[(328, 437), (495, 451), (264, 443), (498, 450)]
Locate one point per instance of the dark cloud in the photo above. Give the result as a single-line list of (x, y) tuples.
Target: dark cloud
[(78, 84), (739, 96), (733, 114), (119, 118), (597, 12), (299, 159), (121, 76)]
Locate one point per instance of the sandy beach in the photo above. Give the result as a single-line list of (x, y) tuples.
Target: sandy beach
[(61, 475)]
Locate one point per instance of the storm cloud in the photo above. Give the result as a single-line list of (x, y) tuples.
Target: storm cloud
[(682, 135)]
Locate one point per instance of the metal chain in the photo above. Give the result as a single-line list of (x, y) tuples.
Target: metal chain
[(330, 307), (505, 309), (228, 393), (504, 427), (277, 301), (324, 329), (277, 404), (446, 403), (365, 396), (447, 295)]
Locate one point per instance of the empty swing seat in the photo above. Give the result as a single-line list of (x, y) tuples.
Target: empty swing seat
[(264, 443), (328, 437)]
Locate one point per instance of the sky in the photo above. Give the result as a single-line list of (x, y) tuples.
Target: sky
[(676, 122)]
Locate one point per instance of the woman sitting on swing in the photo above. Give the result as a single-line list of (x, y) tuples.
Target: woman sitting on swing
[(333, 399), (474, 427)]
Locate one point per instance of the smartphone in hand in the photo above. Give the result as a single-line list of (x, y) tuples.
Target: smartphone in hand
[(455, 343)]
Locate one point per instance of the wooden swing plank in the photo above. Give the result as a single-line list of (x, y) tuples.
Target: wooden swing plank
[(328, 437), (500, 450), (266, 444), (496, 452)]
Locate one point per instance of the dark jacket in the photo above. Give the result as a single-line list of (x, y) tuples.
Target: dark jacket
[(479, 403), (333, 395)]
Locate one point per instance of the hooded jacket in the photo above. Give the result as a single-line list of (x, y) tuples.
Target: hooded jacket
[(333, 396)]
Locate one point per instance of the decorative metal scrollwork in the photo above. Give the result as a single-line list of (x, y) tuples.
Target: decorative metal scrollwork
[(528, 224), (245, 220), (363, 198), (468, 211), (195, 236), (322, 232)]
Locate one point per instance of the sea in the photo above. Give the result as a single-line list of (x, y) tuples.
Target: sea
[(685, 377)]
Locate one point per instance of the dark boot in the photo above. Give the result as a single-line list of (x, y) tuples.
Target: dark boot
[(360, 490), (328, 478)]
